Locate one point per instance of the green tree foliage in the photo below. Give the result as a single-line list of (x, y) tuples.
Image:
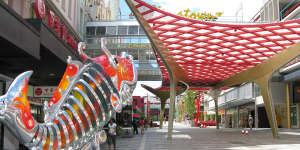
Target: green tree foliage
[(189, 103), (180, 111)]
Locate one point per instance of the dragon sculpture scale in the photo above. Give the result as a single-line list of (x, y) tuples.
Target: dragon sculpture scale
[(82, 104)]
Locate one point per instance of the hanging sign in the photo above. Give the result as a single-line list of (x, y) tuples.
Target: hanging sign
[(39, 8)]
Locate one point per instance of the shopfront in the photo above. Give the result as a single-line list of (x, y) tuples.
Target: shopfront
[(244, 112), (232, 117)]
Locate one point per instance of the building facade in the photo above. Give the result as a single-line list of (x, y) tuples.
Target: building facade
[(124, 36), (38, 35), (235, 105)]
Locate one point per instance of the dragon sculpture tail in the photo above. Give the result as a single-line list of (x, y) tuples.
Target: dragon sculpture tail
[(82, 104)]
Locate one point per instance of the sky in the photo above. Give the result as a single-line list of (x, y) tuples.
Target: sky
[(248, 8)]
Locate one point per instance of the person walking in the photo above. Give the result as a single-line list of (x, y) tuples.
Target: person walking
[(146, 124), (250, 121), (112, 133), (165, 120), (151, 123), (135, 129), (142, 125)]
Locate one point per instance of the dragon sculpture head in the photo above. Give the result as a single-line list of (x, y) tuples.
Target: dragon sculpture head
[(120, 69)]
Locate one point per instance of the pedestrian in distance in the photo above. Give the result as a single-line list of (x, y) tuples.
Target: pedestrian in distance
[(146, 124), (112, 133), (250, 121), (151, 123), (142, 125), (135, 127)]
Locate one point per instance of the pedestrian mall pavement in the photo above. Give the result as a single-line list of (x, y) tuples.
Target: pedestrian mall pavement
[(195, 138)]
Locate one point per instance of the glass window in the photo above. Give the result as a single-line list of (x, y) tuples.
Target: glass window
[(100, 31), (143, 55), (111, 30), (122, 30), (141, 31), (133, 53), (92, 41), (133, 30), (152, 56), (90, 31)]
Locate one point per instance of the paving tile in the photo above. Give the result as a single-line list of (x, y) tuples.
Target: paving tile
[(192, 138)]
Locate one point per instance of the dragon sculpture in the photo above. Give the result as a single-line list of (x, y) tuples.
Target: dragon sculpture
[(82, 104)]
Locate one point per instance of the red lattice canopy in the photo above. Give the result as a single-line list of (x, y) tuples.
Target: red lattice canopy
[(211, 52)]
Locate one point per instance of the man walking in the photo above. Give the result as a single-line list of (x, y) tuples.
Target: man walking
[(250, 121), (135, 125)]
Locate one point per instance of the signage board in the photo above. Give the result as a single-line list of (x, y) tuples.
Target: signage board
[(43, 91)]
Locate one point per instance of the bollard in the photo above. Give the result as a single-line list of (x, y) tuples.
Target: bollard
[(246, 132)]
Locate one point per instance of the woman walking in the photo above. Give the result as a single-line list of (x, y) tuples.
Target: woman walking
[(112, 132)]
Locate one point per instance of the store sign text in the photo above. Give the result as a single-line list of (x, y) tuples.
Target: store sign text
[(43, 91), (133, 45), (200, 15), (55, 23)]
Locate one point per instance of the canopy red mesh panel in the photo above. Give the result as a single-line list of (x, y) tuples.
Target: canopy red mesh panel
[(211, 52)]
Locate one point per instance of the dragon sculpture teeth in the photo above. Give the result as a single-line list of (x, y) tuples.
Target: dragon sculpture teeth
[(82, 104)]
